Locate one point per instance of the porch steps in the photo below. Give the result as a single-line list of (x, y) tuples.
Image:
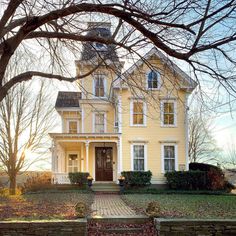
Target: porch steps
[(105, 187), (110, 225)]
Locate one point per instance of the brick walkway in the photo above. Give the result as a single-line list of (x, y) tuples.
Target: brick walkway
[(110, 205)]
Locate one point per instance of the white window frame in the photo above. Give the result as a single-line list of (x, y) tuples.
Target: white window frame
[(68, 124), (105, 120), (163, 159), (105, 85), (132, 155), (78, 163), (158, 80), (144, 113), (162, 113)]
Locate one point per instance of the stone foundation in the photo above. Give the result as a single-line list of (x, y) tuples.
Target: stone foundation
[(197, 227), (44, 228)]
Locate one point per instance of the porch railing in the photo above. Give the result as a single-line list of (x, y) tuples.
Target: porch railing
[(60, 178)]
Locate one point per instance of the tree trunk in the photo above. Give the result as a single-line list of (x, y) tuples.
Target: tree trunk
[(12, 183)]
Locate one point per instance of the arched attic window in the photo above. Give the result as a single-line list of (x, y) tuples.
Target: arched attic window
[(153, 79)]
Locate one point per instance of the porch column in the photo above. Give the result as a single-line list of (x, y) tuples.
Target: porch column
[(87, 155), (119, 161)]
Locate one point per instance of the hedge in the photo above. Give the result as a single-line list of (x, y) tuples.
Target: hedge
[(203, 167), (198, 180), (187, 180), (79, 178), (137, 178)]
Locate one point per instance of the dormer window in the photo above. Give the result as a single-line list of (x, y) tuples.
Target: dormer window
[(99, 86), (100, 46), (153, 80)]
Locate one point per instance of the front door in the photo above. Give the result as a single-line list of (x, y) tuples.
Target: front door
[(103, 159)]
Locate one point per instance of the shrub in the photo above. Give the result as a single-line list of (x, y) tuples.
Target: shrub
[(37, 182), (79, 178), (137, 178), (5, 193), (187, 180), (81, 209), (216, 179), (203, 167), (153, 209)]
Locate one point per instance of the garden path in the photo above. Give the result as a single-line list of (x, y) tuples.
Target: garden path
[(110, 205)]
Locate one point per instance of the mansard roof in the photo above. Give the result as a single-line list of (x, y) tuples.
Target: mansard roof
[(68, 99), (89, 51)]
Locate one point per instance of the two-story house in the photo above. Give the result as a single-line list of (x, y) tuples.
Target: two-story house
[(121, 121)]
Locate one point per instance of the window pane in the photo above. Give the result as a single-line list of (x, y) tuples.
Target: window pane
[(169, 119), (99, 87), (138, 107), (153, 79), (73, 163), (138, 165), (169, 152), (169, 158), (168, 107), (72, 126), (138, 113), (99, 123)]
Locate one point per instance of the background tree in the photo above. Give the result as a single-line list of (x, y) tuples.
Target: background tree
[(199, 34), (202, 145), (230, 159), (25, 119)]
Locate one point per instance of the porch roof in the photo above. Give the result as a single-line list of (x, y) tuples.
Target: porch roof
[(85, 136)]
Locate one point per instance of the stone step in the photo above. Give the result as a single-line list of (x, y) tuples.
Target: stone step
[(120, 230), (105, 187)]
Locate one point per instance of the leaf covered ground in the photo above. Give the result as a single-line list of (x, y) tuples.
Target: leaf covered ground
[(187, 206), (42, 205)]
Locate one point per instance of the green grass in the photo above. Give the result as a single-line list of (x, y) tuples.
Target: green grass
[(40, 206), (186, 206)]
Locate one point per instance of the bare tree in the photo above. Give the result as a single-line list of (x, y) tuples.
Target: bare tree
[(25, 119), (200, 34), (231, 154), (202, 145)]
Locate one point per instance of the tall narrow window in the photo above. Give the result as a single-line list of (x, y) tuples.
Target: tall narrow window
[(99, 125), (169, 158), (72, 127), (138, 113), (73, 163), (168, 113), (138, 157), (153, 79), (99, 87)]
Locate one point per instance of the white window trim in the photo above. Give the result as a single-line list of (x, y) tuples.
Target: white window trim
[(73, 120), (67, 160), (144, 113), (105, 86), (105, 120), (132, 153), (162, 113), (162, 157), (159, 80)]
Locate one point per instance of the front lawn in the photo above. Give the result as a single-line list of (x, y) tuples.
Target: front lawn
[(45, 205), (188, 206)]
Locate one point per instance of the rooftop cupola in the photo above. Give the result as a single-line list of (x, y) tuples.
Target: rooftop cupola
[(94, 50)]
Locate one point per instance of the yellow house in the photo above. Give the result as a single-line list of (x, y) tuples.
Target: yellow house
[(130, 121)]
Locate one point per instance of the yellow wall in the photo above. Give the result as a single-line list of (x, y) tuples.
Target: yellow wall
[(153, 134)]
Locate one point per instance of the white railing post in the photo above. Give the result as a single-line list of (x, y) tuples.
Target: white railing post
[(87, 156)]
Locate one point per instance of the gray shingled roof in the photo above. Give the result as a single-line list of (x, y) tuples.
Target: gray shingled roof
[(68, 99), (89, 52)]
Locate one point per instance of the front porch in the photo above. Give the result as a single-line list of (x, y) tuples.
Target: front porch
[(99, 155)]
